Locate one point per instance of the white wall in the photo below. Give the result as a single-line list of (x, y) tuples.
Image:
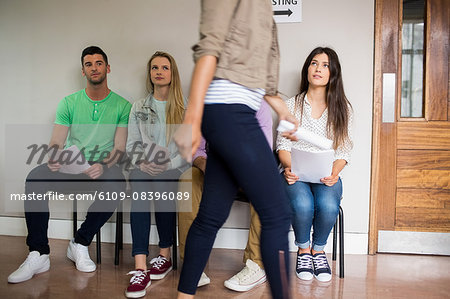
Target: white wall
[(41, 43)]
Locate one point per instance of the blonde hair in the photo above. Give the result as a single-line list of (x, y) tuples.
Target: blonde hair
[(175, 102)]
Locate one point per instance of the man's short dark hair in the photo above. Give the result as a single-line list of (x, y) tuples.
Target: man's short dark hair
[(94, 50)]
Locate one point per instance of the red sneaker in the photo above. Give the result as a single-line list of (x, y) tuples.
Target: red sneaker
[(159, 267), (138, 284)]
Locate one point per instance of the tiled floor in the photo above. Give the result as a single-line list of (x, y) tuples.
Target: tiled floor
[(380, 276)]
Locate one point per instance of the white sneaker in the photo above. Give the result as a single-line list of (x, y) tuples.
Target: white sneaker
[(249, 277), (35, 263), (79, 254), (204, 280)]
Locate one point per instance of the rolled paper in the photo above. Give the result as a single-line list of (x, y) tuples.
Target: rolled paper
[(305, 135), (284, 126)]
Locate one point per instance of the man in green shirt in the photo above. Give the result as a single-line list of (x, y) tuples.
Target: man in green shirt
[(94, 120)]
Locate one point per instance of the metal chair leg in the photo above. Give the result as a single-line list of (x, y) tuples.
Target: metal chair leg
[(121, 230), (174, 247), (118, 245), (333, 255), (341, 243), (99, 249), (74, 217)]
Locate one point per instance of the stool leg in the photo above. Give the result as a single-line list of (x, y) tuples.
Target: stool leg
[(174, 247), (121, 228), (333, 255), (74, 217), (117, 245), (99, 249), (341, 243)]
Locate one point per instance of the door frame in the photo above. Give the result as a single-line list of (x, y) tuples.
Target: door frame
[(387, 55), (386, 39)]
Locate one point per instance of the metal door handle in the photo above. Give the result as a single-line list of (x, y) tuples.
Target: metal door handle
[(388, 98)]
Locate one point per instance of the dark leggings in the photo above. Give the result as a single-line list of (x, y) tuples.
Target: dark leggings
[(239, 155)]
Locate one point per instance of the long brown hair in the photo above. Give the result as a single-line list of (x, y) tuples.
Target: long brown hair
[(337, 103), (175, 102)]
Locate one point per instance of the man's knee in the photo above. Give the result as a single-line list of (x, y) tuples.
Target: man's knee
[(193, 174), (114, 178), (113, 172), (39, 172)]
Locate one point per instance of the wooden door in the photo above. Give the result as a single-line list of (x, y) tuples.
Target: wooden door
[(410, 184)]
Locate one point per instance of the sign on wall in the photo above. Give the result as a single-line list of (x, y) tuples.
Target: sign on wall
[(287, 11)]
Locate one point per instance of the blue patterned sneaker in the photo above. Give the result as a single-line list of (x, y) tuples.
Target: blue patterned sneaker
[(322, 271), (304, 269)]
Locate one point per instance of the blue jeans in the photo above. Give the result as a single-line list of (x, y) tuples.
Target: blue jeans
[(140, 217), (238, 155), (315, 205)]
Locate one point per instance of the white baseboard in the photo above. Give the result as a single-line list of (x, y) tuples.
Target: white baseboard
[(414, 242), (229, 238)]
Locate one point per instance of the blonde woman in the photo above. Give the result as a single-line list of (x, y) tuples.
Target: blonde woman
[(150, 130)]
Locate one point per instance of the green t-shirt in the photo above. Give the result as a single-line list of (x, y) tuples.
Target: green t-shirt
[(92, 123)]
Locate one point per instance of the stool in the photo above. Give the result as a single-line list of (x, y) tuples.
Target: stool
[(119, 233), (340, 223)]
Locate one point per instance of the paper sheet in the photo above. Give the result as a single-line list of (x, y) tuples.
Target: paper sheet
[(311, 167), (71, 159)]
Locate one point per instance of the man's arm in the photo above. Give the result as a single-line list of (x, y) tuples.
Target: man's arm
[(120, 141), (59, 135)]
